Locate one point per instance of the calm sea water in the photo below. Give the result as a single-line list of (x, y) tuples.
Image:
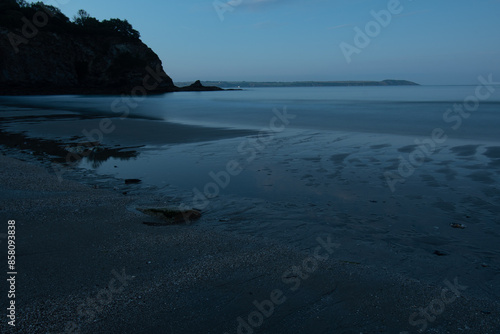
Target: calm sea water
[(386, 110), (330, 167), (405, 110)]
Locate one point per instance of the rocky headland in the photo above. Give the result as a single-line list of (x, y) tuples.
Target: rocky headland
[(43, 52)]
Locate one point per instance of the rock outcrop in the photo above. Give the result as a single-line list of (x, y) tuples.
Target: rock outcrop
[(198, 87)]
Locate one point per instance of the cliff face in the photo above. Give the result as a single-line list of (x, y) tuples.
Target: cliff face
[(64, 63)]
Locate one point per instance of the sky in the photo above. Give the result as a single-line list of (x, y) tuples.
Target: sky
[(429, 42)]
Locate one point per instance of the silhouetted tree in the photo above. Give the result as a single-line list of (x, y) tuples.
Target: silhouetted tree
[(40, 6), (12, 12), (82, 17), (122, 27)]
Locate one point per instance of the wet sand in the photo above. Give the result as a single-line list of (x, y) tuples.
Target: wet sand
[(352, 260), (73, 241), (110, 131)]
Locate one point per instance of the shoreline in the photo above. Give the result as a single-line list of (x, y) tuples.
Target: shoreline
[(75, 239), (77, 235)]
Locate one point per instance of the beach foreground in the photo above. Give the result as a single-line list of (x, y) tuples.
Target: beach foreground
[(88, 264)]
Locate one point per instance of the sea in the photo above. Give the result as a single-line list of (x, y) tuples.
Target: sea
[(402, 177)]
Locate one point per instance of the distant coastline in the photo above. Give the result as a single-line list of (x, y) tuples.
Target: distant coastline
[(250, 84)]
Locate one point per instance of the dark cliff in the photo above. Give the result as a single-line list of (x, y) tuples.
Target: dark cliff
[(42, 52), (60, 63)]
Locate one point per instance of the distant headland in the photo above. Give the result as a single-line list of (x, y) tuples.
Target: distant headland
[(250, 84)]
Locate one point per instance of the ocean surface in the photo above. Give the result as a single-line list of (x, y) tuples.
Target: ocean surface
[(385, 171)]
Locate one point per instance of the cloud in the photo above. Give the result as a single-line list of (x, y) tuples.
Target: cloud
[(256, 4), (341, 26), (413, 13)]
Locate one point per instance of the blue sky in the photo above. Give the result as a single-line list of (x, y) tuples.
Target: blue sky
[(430, 42)]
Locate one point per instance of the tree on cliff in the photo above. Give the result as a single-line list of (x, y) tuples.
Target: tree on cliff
[(13, 12), (120, 27), (85, 20)]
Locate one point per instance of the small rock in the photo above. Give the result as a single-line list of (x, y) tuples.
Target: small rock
[(132, 181), (439, 253)]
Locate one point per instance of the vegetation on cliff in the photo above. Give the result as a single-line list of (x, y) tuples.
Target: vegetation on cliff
[(13, 14)]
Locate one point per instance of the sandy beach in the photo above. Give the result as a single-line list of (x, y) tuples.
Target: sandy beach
[(249, 167), (88, 264), (304, 240)]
